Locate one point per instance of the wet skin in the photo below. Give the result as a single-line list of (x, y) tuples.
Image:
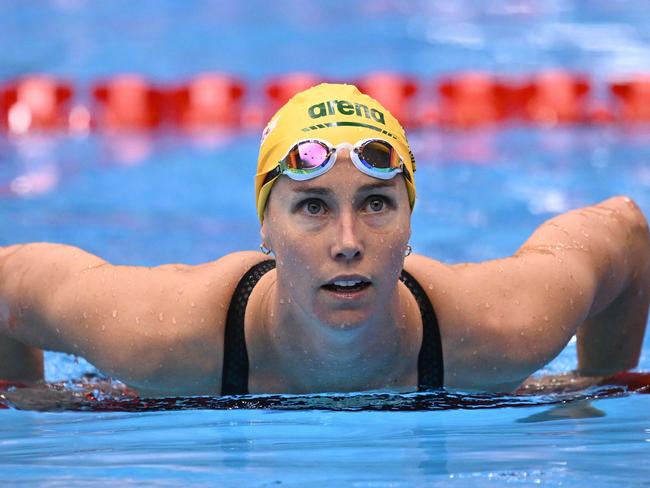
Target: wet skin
[(160, 330), (341, 226)]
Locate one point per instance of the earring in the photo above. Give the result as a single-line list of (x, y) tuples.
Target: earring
[(265, 249), (408, 250)]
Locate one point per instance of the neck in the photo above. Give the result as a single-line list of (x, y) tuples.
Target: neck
[(317, 356)]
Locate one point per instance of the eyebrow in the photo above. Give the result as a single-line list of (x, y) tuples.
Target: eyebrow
[(375, 186), (319, 190)]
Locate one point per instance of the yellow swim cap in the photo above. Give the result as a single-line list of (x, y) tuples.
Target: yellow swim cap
[(336, 113)]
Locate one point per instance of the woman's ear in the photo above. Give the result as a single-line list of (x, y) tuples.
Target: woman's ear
[(264, 234)]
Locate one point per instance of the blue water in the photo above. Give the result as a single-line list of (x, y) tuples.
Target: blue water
[(369, 449), (159, 199)]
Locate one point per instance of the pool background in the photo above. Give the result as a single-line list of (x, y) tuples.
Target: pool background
[(154, 199)]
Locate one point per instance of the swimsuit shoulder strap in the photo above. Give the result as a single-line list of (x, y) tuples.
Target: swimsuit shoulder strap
[(430, 364), (234, 378), (235, 356)]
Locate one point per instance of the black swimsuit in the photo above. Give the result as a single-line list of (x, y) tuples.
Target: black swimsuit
[(235, 356)]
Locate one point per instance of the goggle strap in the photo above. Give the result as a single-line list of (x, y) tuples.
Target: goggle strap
[(272, 174)]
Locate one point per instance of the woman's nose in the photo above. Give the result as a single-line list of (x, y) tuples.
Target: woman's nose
[(348, 245)]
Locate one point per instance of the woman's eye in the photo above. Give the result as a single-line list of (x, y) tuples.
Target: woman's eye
[(376, 204), (313, 207)]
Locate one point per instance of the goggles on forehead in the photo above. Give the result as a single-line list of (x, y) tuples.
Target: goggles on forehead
[(313, 157)]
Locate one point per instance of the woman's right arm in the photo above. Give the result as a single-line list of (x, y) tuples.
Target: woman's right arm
[(159, 329)]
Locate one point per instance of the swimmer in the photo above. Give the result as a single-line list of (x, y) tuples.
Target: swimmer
[(336, 301)]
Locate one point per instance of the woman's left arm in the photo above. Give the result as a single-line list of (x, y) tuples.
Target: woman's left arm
[(611, 337)]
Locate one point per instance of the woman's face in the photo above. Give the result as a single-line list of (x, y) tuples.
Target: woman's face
[(339, 241)]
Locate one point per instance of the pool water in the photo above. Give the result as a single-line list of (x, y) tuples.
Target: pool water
[(160, 198), (270, 448)]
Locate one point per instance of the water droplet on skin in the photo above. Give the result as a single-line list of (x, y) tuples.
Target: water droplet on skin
[(192, 304), (180, 291), (103, 327), (487, 305), (85, 315), (546, 286), (517, 302), (114, 314), (281, 301), (430, 286), (137, 320), (161, 316), (545, 318), (173, 320), (58, 331), (202, 320), (571, 302)]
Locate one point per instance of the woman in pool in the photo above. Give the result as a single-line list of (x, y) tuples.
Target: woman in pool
[(344, 306)]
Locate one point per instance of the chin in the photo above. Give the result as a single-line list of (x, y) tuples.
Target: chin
[(344, 319)]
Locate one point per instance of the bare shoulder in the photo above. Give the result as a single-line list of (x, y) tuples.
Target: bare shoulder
[(500, 320), (166, 323), (212, 284)]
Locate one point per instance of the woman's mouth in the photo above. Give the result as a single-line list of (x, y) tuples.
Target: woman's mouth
[(348, 288)]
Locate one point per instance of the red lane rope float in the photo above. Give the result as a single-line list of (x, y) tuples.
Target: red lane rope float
[(555, 98), (280, 89), (209, 101), (38, 102), (633, 99), (637, 381), (396, 92), (216, 101), (128, 102), (472, 99)]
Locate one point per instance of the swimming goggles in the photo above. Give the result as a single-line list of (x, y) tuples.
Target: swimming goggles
[(313, 157)]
